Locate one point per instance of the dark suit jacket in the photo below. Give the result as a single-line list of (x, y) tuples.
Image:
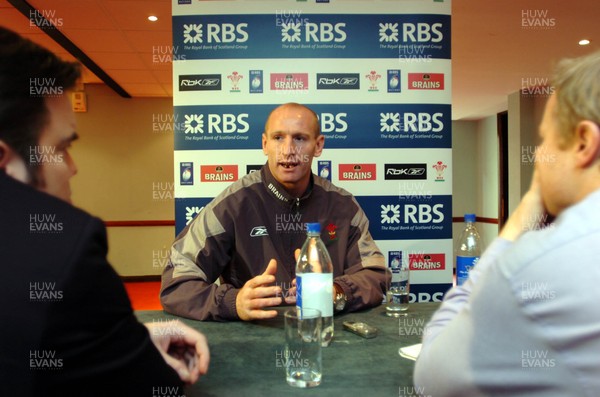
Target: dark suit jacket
[(66, 324)]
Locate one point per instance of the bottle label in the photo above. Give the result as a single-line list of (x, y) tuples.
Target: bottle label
[(315, 291), (298, 291), (464, 264), (395, 275)]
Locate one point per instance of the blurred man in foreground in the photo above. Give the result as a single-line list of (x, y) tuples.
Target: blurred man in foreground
[(527, 323), (67, 324)]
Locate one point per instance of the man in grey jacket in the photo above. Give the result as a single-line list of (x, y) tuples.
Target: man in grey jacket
[(526, 322), (247, 236)]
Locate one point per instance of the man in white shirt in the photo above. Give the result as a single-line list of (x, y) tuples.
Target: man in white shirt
[(526, 323)]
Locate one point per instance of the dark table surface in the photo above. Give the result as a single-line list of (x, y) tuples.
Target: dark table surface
[(246, 357)]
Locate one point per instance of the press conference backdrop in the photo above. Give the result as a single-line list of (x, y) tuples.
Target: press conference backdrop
[(377, 73)]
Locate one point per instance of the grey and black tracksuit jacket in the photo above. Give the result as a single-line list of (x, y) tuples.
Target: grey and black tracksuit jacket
[(255, 220)]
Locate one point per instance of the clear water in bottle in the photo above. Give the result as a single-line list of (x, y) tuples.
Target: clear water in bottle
[(468, 250), (398, 294), (314, 280)]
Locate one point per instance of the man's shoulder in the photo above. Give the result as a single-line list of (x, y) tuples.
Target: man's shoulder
[(32, 207), (250, 179), (338, 196), (337, 201), (240, 187), (48, 237), (328, 187)]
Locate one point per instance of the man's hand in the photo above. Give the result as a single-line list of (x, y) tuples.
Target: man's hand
[(529, 214), (290, 296), (182, 347), (257, 294)]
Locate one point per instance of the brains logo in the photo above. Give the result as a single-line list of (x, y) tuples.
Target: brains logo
[(194, 123), (190, 213), (290, 32), (192, 33), (388, 32), (390, 122), (390, 213)]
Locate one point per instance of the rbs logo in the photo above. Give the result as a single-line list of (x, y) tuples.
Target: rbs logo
[(215, 33), (412, 214), (411, 122), (333, 122), (216, 123), (423, 122), (228, 123), (422, 213), (323, 32), (422, 32)]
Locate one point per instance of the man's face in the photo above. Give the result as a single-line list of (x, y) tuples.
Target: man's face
[(553, 163), (56, 167), (290, 142)]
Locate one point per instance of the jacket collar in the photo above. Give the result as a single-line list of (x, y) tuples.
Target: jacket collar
[(277, 190)]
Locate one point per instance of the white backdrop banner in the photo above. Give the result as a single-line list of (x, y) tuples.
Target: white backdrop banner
[(378, 74)]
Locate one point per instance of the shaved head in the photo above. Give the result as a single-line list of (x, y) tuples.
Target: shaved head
[(300, 109)]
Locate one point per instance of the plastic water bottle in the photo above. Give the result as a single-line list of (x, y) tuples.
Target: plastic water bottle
[(468, 250), (397, 295), (314, 280)]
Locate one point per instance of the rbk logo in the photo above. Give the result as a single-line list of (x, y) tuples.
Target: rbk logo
[(405, 171), (259, 231)]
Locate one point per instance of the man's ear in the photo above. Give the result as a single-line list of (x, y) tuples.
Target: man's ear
[(587, 143), (13, 164), (320, 145), (5, 154), (264, 143)]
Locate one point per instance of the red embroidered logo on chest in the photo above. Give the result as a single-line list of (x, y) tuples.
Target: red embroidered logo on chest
[(331, 231)]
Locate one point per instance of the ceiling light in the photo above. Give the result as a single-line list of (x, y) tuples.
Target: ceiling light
[(584, 42), (153, 18)]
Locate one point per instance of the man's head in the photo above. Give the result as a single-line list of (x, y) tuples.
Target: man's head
[(291, 139), (37, 124), (568, 159)]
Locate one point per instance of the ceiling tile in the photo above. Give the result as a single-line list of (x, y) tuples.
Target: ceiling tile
[(149, 41), (146, 90), (108, 41), (132, 76), (133, 15), (117, 60), (79, 14), (164, 76)]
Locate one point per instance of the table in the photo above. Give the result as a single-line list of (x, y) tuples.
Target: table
[(246, 357)]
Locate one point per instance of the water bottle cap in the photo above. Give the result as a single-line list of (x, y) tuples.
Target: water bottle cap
[(469, 217), (313, 227)]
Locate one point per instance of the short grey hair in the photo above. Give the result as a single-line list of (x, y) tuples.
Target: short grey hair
[(577, 87)]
